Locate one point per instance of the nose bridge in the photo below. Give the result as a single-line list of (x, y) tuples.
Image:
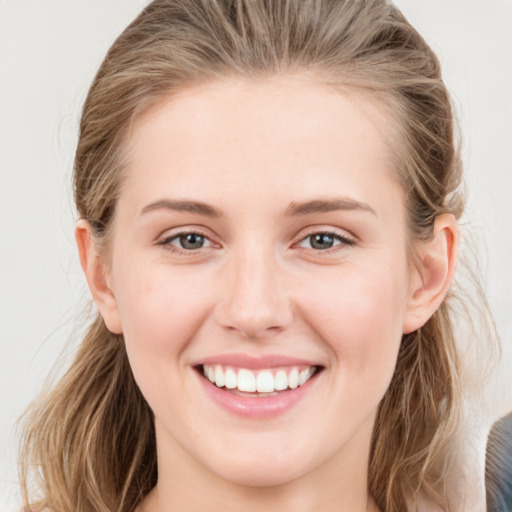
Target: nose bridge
[(256, 302)]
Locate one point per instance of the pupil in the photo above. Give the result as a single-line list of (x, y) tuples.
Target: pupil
[(321, 241), (191, 241)]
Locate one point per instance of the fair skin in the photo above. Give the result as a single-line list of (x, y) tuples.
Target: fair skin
[(254, 289)]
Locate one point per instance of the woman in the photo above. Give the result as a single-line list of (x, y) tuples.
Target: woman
[(268, 199)]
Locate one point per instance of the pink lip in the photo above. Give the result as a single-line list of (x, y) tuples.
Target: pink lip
[(257, 407), (254, 363)]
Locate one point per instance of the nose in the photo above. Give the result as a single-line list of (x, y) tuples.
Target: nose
[(254, 299)]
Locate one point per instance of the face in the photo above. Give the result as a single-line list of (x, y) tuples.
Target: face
[(260, 243)]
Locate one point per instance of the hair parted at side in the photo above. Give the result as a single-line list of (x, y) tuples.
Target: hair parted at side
[(91, 439)]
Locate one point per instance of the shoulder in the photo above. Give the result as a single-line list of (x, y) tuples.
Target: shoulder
[(498, 466)]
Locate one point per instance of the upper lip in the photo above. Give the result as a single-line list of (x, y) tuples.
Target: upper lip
[(254, 362)]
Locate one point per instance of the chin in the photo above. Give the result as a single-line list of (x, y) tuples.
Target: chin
[(262, 469), (268, 477)]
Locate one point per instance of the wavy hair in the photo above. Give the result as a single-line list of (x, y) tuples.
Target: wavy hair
[(90, 442)]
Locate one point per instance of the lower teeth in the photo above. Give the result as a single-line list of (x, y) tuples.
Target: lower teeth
[(253, 394)]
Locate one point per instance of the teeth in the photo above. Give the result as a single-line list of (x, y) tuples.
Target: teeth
[(293, 378), (304, 376), (262, 381), (219, 377), (280, 381), (230, 380), (265, 382), (246, 381)]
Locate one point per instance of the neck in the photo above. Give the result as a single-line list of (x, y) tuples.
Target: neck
[(282, 498), (339, 484)]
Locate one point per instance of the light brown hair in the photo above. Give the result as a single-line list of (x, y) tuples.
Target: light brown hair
[(91, 438)]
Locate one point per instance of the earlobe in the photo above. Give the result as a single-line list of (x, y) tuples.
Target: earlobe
[(96, 273), (437, 258)]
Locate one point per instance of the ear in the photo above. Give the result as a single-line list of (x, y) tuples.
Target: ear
[(97, 275), (433, 273)]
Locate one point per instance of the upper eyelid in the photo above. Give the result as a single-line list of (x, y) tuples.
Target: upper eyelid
[(170, 233), (341, 233)]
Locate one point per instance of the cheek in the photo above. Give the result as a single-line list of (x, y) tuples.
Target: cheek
[(160, 313), (359, 315)]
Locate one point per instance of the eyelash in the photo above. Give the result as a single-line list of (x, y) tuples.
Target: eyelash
[(343, 241), (166, 242)]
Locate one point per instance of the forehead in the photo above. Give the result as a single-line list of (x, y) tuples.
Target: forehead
[(285, 135)]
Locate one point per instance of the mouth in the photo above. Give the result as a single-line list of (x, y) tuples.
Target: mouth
[(264, 382), (258, 387)]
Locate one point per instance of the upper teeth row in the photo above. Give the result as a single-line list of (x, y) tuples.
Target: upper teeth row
[(263, 382)]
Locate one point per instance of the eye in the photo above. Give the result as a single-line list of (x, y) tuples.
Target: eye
[(324, 240), (186, 242)]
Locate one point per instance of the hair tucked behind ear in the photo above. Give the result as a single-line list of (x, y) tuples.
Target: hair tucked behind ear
[(92, 437)]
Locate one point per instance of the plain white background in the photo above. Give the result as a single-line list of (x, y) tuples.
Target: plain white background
[(49, 52)]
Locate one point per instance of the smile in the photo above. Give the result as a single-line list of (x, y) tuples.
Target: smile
[(262, 381), (257, 388)]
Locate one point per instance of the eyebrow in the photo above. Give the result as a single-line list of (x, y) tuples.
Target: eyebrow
[(294, 209), (184, 206), (327, 205)]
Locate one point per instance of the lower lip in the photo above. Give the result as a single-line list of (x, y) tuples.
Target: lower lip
[(257, 407)]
